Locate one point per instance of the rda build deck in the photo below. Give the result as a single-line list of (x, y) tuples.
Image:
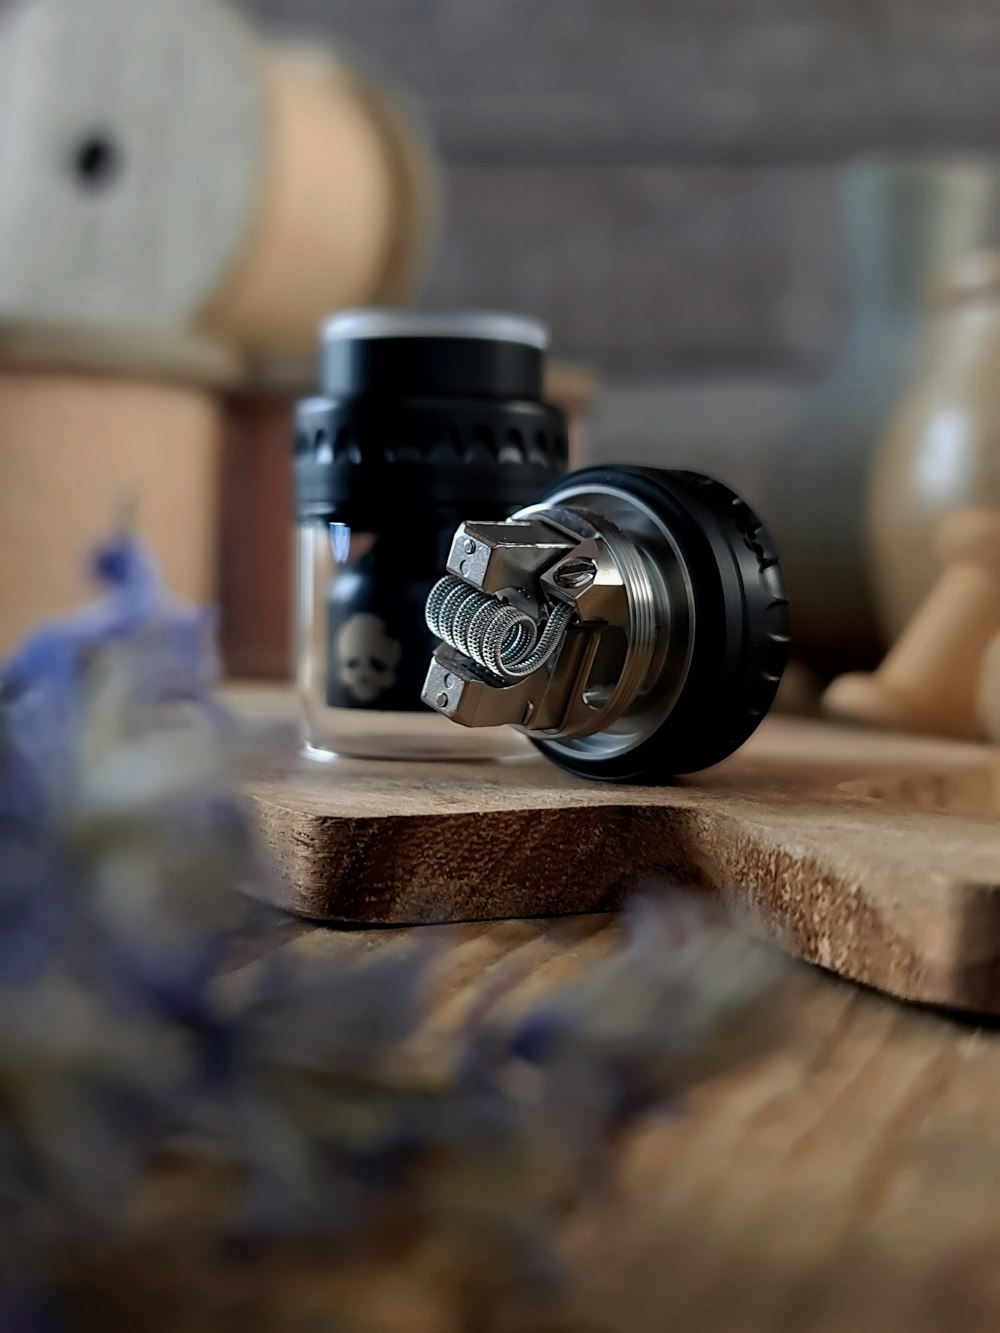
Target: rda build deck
[(632, 623)]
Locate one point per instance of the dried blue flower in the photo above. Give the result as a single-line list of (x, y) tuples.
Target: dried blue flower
[(124, 847), (164, 654), (35, 910), (334, 1018), (56, 654), (28, 1309)]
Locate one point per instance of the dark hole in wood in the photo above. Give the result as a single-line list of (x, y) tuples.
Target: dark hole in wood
[(97, 161)]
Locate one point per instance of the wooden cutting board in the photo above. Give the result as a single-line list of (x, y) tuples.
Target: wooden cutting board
[(876, 856)]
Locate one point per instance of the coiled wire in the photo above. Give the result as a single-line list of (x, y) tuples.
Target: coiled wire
[(502, 639)]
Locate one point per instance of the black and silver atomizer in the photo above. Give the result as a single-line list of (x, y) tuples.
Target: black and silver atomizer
[(423, 418), (630, 622)]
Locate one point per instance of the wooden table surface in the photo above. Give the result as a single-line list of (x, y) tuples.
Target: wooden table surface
[(848, 1181)]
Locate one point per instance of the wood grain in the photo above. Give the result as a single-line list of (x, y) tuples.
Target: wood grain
[(874, 856), (847, 1181)]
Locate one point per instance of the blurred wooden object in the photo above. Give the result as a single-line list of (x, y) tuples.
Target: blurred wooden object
[(941, 450), (929, 682), (346, 210), (899, 220), (577, 390), (162, 166), (799, 692), (76, 445), (257, 536), (130, 148), (128, 353), (988, 693), (178, 197)]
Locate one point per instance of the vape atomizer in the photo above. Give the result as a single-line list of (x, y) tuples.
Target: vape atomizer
[(631, 622), (423, 418)]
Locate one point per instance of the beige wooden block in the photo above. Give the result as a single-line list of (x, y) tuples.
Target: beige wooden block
[(74, 450)]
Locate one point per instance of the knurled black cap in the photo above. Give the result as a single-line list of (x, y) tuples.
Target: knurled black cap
[(424, 412)]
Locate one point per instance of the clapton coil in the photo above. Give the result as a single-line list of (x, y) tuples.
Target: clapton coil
[(504, 641)]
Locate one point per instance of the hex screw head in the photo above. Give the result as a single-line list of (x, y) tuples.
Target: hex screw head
[(575, 574)]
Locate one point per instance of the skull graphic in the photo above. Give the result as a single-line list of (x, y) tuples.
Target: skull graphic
[(367, 657)]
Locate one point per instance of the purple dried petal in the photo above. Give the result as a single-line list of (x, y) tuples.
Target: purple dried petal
[(35, 908), (56, 653), (169, 979), (174, 661), (27, 1309), (537, 1036), (123, 565), (37, 754), (126, 875), (173, 658), (58, 650), (326, 1018)]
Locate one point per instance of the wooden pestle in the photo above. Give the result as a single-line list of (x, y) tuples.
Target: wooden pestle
[(929, 681)]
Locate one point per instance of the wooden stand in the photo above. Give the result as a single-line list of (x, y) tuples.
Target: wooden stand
[(929, 682), (257, 537), (88, 428), (875, 856)]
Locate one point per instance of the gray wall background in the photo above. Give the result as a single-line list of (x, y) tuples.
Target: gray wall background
[(658, 178)]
